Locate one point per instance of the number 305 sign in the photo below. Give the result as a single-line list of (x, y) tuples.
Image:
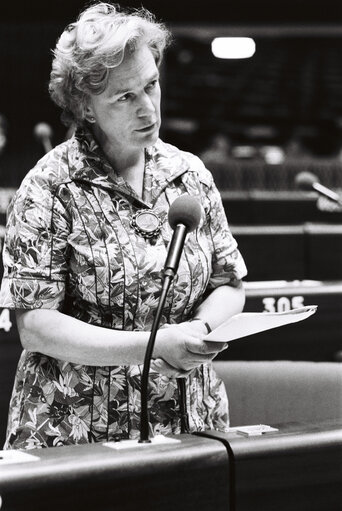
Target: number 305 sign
[(282, 303)]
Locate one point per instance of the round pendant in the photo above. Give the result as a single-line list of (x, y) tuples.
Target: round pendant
[(146, 223)]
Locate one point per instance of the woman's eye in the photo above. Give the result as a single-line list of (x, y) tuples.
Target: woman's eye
[(123, 98), (152, 85)]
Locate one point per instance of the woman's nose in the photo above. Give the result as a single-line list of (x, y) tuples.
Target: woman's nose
[(146, 106)]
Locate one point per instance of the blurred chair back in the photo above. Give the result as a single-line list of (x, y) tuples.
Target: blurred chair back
[(274, 392)]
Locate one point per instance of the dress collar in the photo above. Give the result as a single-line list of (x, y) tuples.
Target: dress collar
[(88, 163)]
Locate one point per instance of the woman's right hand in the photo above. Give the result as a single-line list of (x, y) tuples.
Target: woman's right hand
[(181, 348)]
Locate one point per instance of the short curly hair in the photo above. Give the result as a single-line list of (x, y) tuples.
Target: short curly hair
[(96, 43)]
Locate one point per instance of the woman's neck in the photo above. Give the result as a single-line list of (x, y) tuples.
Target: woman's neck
[(131, 169), (134, 175), (128, 164)]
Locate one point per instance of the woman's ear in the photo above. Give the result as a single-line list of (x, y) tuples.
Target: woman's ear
[(89, 116)]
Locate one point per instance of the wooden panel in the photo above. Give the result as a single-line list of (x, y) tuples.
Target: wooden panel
[(318, 338), (325, 251), (274, 207), (190, 475), (307, 251), (273, 251)]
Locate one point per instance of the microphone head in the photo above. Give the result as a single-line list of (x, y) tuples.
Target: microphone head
[(185, 210), (42, 130), (305, 180)]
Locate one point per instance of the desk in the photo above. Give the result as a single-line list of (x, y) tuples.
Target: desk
[(191, 475), (298, 468)]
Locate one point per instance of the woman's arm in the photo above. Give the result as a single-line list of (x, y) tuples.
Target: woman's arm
[(63, 337), (221, 304)]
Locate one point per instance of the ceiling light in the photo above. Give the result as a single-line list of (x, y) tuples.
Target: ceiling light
[(233, 47)]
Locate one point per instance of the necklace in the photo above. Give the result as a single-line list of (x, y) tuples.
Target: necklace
[(146, 223)]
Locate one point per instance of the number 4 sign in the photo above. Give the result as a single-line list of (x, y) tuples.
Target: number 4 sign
[(5, 320)]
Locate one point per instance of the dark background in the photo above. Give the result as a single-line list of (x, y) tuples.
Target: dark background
[(290, 88), (217, 11)]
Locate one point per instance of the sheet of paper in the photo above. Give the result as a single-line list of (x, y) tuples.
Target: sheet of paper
[(248, 323)]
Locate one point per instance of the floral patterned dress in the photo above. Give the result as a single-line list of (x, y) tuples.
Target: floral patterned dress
[(70, 246)]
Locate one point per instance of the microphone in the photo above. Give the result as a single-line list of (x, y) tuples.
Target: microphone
[(43, 133), (308, 182), (184, 216)]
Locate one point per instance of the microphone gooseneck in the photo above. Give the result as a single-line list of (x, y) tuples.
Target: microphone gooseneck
[(308, 182), (184, 216)]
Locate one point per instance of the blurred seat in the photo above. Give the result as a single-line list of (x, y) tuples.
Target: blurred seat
[(272, 392)]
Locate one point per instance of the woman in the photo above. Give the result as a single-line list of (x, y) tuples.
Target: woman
[(83, 272)]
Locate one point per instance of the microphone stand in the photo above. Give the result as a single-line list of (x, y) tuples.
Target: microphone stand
[(144, 433), (171, 266)]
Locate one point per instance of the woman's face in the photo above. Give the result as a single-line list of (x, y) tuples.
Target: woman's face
[(127, 113)]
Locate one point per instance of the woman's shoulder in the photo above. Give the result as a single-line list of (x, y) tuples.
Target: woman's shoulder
[(51, 171), (194, 164)]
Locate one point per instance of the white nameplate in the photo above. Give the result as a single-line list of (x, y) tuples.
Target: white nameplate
[(14, 456), (255, 430)]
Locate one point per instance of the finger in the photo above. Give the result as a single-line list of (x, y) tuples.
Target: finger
[(204, 348), (169, 371), (216, 346), (224, 346), (166, 369)]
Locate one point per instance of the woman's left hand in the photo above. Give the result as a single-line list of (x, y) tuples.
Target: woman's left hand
[(160, 366)]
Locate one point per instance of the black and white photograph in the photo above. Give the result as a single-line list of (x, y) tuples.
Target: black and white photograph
[(171, 255)]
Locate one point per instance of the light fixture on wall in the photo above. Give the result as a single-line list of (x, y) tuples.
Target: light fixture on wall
[(233, 47)]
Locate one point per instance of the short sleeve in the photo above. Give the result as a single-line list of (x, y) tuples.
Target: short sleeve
[(228, 265), (35, 248)]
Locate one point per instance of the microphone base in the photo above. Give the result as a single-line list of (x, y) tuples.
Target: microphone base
[(129, 444)]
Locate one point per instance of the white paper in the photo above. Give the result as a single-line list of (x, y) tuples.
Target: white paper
[(248, 323)]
